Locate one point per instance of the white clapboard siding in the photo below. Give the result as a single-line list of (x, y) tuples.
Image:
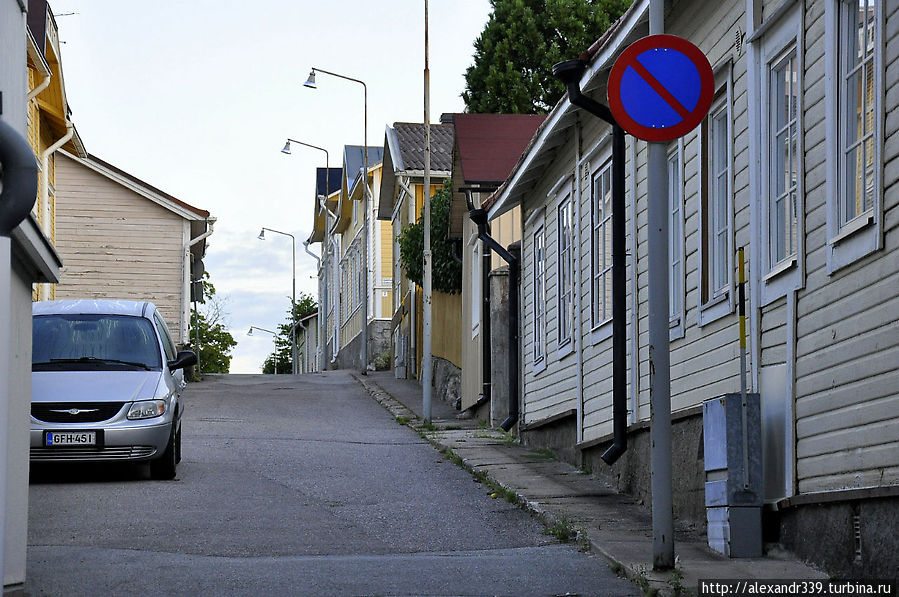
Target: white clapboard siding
[(116, 244), (552, 390), (847, 402)]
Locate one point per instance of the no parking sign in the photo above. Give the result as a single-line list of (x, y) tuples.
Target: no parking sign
[(660, 88)]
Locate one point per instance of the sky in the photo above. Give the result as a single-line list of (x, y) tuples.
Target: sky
[(198, 97)]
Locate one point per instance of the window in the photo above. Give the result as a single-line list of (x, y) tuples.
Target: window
[(566, 269), (855, 111), (602, 245), (675, 167), (539, 295), (716, 203), (782, 149), (779, 198)]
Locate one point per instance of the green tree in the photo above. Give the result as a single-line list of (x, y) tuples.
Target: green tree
[(306, 305), (446, 275), (212, 341), (514, 55)]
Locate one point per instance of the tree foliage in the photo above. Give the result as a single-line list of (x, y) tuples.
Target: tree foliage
[(514, 55), (306, 305), (446, 272), (212, 341)]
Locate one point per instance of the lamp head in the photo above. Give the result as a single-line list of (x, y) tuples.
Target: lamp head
[(310, 82), (261, 234), (286, 148), (250, 332)]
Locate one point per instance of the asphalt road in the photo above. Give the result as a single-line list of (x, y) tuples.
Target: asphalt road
[(293, 485)]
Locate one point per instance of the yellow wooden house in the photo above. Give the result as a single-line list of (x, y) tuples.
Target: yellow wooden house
[(49, 123)]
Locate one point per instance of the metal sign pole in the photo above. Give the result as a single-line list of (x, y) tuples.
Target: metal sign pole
[(427, 313), (659, 357)]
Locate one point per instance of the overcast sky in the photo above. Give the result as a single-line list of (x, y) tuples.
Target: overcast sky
[(197, 97)]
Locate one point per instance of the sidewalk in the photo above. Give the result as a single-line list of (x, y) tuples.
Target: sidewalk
[(568, 500)]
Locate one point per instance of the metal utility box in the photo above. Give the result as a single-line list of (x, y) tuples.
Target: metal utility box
[(734, 493)]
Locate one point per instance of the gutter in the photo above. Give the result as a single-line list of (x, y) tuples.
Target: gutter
[(479, 217), (570, 73)]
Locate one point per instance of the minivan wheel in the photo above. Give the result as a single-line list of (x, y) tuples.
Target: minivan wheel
[(163, 468)]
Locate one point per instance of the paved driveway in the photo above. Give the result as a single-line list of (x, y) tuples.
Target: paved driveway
[(293, 485)]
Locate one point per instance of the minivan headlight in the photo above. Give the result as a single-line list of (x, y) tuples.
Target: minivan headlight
[(146, 409)]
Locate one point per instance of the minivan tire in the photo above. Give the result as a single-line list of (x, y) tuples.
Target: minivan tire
[(164, 467)]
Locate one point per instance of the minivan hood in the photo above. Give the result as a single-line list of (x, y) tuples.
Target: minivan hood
[(93, 386)]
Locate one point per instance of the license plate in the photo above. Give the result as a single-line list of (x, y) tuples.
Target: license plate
[(70, 438)]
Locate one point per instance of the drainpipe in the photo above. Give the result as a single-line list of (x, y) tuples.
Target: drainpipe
[(16, 200), (318, 267), (570, 73), (185, 311), (44, 206), (45, 82), (479, 217)]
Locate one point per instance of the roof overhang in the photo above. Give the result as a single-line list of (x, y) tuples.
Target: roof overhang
[(556, 129)]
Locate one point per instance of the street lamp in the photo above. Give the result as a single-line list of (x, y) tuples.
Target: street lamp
[(293, 300), (275, 340), (323, 289), (310, 82)]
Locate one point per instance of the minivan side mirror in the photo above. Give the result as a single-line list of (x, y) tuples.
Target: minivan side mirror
[(185, 358)]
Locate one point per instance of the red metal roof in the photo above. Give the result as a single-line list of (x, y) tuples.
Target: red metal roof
[(490, 144)]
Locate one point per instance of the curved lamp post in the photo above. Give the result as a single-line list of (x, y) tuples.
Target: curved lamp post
[(323, 289), (310, 82), (293, 298), (275, 340)]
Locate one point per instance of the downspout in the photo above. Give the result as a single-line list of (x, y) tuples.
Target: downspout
[(44, 207), (479, 217), (318, 267), (45, 82), (17, 197), (570, 73), (45, 176), (185, 310)]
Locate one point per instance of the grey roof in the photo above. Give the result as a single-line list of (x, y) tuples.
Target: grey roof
[(410, 139), (353, 160)]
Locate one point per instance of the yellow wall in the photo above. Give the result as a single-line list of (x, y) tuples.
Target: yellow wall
[(506, 229)]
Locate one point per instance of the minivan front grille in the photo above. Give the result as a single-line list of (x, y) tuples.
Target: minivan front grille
[(75, 412)]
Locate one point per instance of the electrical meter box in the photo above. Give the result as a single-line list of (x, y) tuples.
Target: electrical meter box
[(732, 445)]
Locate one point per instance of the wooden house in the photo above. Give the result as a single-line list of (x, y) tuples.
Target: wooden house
[(120, 237), (401, 203), (796, 161)]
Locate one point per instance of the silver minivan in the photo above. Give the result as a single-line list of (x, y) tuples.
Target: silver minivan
[(106, 384)]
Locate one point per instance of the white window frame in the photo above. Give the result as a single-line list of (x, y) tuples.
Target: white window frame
[(565, 264), (539, 296), (719, 300), (601, 252), (850, 239), (676, 240), (778, 277)]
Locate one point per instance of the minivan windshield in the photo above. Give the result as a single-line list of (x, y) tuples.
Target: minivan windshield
[(89, 342)]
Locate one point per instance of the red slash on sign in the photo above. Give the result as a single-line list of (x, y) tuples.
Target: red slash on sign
[(660, 88)]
